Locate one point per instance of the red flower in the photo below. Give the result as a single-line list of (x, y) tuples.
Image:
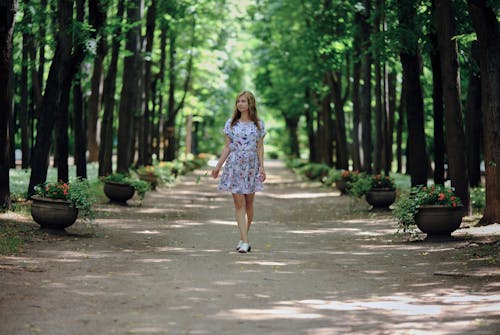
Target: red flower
[(441, 196)]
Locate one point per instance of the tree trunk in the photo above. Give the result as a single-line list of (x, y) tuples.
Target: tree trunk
[(455, 137), (416, 154), (109, 89), (146, 149), (365, 92), (52, 99), (340, 131), (356, 123), (130, 94), (97, 19), (24, 105), (390, 112), (400, 128), (169, 145), (488, 34), (8, 11), (437, 103), (293, 140), (473, 129), (79, 131), (310, 127)]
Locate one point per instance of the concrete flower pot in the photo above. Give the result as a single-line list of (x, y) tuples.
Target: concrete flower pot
[(53, 213)]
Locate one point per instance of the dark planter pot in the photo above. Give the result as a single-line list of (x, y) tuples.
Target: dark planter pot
[(150, 178), (52, 213), (118, 192), (437, 220), (341, 185), (381, 197)]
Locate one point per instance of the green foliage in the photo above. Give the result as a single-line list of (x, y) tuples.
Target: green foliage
[(314, 171), (478, 198), (358, 184), (140, 186)]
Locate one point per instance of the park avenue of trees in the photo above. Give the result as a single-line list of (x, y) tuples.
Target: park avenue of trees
[(370, 85)]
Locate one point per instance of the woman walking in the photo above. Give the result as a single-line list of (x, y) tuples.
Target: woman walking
[(243, 153)]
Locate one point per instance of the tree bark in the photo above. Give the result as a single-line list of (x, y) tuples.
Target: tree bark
[(52, 99), (340, 129), (356, 104), (365, 92), (400, 128), (488, 34), (24, 105), (145, 147), (109, 89), (8, 11), (437, 103), (416, 153), (97, 19), (130, 94), (473, 129), (455, 137)]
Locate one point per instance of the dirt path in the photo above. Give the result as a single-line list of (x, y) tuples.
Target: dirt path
[(320, 264)]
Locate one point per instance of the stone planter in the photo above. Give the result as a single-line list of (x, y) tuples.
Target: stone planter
[(437, 220), (341, 185), (150, 178), (381, 197), (118, 192), (52, 213)]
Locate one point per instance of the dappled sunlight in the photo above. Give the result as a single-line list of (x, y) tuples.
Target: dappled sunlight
[(309, 195), (222, 222), (269, 263), (148, 232), (323, 231), (154, 260), (262, 314)]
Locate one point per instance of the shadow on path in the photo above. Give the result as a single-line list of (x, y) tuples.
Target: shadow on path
[(321, 263)]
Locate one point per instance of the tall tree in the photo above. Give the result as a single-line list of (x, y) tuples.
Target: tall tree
[(437, 108), (365, 90), (57, 82), (145, 140), (488, 35), (130, 97), (8, 11), (173, 109), (109, 89), (97, 19), (455, 139), (473, 117), (416, 153)]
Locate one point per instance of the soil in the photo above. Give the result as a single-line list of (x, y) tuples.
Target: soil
[(321, 263)]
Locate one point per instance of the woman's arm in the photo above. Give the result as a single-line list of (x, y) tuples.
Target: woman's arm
[(260, 155), (223, 157)]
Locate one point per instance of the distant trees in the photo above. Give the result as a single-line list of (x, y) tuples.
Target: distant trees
[(372, 85), (8, 11)]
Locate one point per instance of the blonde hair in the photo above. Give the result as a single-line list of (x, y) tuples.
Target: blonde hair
[(252, 109)]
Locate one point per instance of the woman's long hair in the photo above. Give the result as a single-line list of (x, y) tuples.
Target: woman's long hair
[(252, 109)]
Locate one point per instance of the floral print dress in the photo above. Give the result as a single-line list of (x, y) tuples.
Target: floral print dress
[(241, 171)]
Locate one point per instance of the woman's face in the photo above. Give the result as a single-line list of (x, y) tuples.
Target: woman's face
[(242, 103)]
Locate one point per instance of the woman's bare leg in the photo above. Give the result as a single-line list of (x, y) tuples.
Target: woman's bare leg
[(249, 208), (239, 206)]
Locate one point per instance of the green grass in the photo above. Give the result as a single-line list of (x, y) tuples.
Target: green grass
[(20, 178), (13, 235)]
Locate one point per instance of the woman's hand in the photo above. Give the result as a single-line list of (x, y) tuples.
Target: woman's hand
[(215, 172), (262, 174)]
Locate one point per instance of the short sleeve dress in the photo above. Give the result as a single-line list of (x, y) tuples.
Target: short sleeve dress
[(241, 171)]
